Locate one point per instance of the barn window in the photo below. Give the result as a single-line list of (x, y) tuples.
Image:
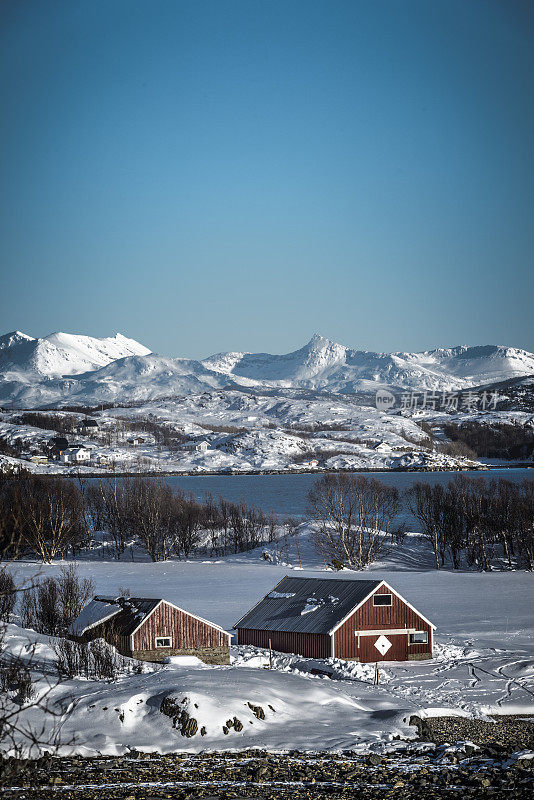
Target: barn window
[(420, 637), (382, 600), (163, 641)]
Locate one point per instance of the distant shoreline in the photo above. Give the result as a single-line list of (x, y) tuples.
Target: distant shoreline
[(250, 473)]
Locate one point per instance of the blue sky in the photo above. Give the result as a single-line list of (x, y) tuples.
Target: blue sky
[(207, 176)]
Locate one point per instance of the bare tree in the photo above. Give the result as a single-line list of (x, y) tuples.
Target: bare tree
[(50, 515), (352, 517)]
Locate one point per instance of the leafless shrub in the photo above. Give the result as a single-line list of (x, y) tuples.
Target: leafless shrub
[(472, 518), (8, 595), (427, 442), (231, 429), (96, 660), (495, 440), (51, 604), (51, 422)]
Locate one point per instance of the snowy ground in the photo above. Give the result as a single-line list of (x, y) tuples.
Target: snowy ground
[(484, 661)]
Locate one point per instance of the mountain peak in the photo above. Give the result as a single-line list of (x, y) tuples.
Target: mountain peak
[(12, 338)]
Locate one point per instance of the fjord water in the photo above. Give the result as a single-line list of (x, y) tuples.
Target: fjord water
[(286, 494)]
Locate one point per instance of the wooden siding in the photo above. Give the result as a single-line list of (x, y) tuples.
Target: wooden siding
[(310, 645), (381, 618), (186, 632)]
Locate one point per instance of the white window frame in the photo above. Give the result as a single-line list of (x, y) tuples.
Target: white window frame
[(166, 638), (383, 605), (417, 633)]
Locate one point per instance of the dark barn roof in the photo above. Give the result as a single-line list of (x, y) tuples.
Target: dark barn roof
[(133, 611), (127, 613), (307, 605)]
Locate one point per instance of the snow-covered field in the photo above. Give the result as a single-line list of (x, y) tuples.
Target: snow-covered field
[(483, 661)]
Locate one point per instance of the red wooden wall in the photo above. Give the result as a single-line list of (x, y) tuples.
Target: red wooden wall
[(186, 631), (370, 617), (310, 645)]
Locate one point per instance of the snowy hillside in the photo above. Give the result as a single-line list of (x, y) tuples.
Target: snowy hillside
[(70, 369)]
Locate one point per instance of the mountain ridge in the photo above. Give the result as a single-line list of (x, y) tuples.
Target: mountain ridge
[(66, 368)]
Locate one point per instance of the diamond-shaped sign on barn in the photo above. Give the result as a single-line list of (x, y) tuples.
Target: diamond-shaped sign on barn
[(382, 644)]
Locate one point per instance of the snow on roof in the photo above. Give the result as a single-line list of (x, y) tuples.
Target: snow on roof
[(96, 612), (289, 605)]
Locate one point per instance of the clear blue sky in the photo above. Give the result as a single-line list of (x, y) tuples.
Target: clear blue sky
[(207, 176)]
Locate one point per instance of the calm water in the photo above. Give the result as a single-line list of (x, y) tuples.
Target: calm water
[(286, 494)]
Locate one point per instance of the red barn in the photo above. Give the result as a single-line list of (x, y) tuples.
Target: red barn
[(358, 620), (149, 629)]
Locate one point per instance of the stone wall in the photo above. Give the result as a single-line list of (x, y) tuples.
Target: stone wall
[(210, 655)]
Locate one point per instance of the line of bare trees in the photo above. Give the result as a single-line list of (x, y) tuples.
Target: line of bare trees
[(476, 520), (50, 517), (167, 522), (470, 522)]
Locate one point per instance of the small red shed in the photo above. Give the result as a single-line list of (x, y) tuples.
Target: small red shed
[(149, 629), (357, 620)]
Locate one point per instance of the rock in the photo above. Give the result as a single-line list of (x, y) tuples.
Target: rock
[(238, 725), (257, 711), (190, 728), (374, 760)]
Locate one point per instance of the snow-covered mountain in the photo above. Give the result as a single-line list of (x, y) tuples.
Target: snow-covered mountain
[(325, 365), (23, 358), (15, 337), (65, 369)]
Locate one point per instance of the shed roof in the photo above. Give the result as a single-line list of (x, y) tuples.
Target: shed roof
[(128, 613), (307, 605)]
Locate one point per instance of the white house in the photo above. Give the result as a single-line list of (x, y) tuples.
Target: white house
[(77, 454), (201, 446), (381, 447)]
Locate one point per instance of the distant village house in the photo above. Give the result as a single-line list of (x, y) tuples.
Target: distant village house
[(76, 454), (135, 440), (39, 459), (381, 447), (87, 426), (198, 446)]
